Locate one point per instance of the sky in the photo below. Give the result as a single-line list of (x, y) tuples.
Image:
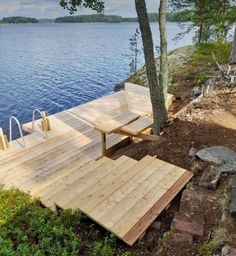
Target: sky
[(51, 9)]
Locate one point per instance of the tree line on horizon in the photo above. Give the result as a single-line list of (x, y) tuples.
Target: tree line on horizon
[(182, 16)]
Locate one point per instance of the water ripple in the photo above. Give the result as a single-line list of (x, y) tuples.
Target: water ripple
[(58, 66)]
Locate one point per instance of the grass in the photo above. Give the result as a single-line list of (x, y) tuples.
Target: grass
[(202, 66)]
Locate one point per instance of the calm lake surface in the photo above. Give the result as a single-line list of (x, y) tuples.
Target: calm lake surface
[(54, 67)]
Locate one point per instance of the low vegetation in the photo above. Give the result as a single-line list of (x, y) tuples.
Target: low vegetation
[(202, 65), (27, 228)]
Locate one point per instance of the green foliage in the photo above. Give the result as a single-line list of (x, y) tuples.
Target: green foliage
[(135, 51), (72, 5), (89, 18), (204, 51), (181, 16), (19, 19), (153, 17), (212, 18), (201, 66), (28, 229), (105, 248), (101, 249)]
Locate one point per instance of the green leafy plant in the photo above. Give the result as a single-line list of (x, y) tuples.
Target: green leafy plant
[(26, 228)]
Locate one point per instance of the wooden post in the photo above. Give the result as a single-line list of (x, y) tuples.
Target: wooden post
[(45, 122), (3, 140), (103, 143)]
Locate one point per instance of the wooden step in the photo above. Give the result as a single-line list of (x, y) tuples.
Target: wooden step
[(50, 193), (90, 183), (138, 126)]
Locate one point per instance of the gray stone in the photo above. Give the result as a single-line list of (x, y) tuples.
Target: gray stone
[(225, 250), (150, 237), (229, 167), (217, 155), (156, 226), (192, 152), (210, 178), (176, 60), (228, 251), (196, 92), (232, 206)]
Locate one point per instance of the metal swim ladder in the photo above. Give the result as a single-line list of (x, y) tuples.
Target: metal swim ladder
[(19, 127), (43, 115)]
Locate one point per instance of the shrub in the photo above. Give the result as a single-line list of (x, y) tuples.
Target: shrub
[(28, 229)]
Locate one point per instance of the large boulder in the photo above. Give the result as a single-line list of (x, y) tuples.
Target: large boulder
[(176, 60), (223, 157)]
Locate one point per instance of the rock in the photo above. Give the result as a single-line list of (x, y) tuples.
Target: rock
[(183, 237), (150, 237), (228, 251), (196, 92), (225, 214), (196, 167), (156, 226), (232, 206), (188, 227), (225, 250), (224, 157), (2, 186), (210, 178), (192, 152), (229, 167), (176, 60)]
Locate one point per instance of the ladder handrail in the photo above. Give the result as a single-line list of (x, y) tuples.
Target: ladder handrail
[(42, 114), (19, 127)]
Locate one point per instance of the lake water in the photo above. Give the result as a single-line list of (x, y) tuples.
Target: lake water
[(54, 67)]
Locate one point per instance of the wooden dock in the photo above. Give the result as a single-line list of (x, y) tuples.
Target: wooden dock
[(66, 169)]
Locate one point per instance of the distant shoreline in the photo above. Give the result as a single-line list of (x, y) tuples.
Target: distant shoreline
[(95, 18)]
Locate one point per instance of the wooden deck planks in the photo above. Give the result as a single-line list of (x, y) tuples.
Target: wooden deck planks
[(132, 236), (124, 196), (108, 124), (138, 126), (127, 205), (52, 192), (149, 198), (139, 99), (84, 193)]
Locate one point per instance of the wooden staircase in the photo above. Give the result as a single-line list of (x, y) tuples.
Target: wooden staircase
[(124, 196)]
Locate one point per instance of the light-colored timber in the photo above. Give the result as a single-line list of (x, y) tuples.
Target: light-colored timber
[(66, 169)]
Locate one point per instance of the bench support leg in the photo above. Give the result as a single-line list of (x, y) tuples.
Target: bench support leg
[(104, 147)]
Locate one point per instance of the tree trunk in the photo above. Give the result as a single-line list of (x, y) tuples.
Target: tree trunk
[(201, 16), (156, 90), (163, 76), (232, 59)]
